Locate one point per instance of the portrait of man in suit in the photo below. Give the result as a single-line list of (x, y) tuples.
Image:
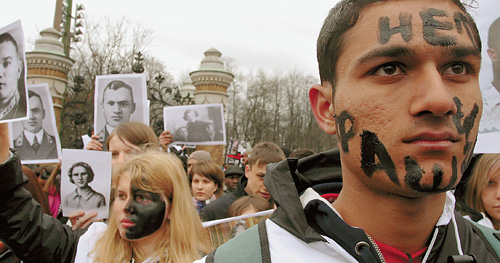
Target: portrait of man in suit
[(34, 142), (117, 104)]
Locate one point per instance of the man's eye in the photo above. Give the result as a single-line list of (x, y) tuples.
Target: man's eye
[(388, 69), (456, 69)]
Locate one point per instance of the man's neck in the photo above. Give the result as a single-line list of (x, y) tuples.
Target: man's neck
[(403, 223)]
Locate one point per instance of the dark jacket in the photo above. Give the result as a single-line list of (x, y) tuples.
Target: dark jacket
[(289, 178), (30, 234), (218, 208)]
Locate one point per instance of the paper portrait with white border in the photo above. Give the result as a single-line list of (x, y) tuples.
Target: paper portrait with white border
[(119, 98), (13, 99), (196, 124), (36, 139), (86, 182), (488, 23)]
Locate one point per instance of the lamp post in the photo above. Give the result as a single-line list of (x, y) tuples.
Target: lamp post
[(62, 22)]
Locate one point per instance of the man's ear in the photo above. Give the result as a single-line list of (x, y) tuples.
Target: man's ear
[(247, 170), (493, 54), (133, 107), (320, 97), (19, 69)]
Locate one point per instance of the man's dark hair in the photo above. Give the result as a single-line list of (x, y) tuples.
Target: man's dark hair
[(340, 19), (494, 34), (90, 172), (118, 84), (6, 37), (34, 94)]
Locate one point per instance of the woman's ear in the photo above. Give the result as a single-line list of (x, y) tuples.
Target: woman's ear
[(320, 97)]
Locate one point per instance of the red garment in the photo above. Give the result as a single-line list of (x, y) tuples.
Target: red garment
[(394, 255), (54, 201)]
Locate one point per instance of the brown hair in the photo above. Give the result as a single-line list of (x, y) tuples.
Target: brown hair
[(243, 203), (136, 133), (266, 152), (486, 166), (210, 170)]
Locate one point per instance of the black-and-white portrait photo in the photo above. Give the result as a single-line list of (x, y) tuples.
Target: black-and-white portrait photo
[(85, 181), (13, 104), (196, 124), (488, 22), (36, 139), (119, 98)]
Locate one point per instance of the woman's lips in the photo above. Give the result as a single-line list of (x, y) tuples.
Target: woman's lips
[(127, 223)]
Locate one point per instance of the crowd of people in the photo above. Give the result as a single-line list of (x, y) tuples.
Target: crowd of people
[(405, 106)]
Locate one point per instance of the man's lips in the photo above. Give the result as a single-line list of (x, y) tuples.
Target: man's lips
[(127, 223), (432, 137)]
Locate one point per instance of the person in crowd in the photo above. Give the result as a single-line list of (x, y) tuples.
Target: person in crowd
[(52, 189), (117, 105), (252, 183), (248, 204), (12, 95), (152, 219), (34, 142), (197, 156), (126, 138), (83, 197), (491, 93), (301, 153), (400, 90), (233, 174), (206, 179), (482, 190)]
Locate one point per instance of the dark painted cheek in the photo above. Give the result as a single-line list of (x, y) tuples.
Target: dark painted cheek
[(371, 147), (414, 174), (148, 218), (464, 125), (343, 120)]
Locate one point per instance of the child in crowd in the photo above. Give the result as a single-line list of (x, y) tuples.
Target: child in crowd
[(207, 180), (482, 191)]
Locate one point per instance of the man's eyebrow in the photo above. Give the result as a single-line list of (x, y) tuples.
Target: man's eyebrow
[(461, 51), (386, 52)]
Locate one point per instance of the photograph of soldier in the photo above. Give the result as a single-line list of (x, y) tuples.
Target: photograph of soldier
[(196, 124), (119, 99), (12, 73), (36, 139)]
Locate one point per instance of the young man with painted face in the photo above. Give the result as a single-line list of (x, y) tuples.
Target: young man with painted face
[(399, 88), (251, 183)]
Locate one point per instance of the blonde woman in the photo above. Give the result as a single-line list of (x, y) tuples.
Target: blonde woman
[(483, 189), (152, 217)]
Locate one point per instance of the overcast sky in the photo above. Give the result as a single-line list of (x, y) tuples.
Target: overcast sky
[(278, 34), (258, 34)]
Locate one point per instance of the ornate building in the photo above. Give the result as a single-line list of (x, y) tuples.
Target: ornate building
[(211, 82), (47, 63)]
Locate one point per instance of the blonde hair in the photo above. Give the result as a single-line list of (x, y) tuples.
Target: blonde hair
[(487, 166), (137, 133), (184, 239), (211, 171)]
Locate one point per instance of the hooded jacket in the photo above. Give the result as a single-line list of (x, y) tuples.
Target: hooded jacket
[(305, 227)]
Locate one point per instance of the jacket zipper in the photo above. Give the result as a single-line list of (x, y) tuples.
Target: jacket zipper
[(379, 253)]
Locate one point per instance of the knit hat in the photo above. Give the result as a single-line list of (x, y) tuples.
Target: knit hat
[(201, 156), (233, 170)]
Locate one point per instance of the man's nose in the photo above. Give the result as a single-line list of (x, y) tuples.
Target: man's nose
[(432, 95)]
